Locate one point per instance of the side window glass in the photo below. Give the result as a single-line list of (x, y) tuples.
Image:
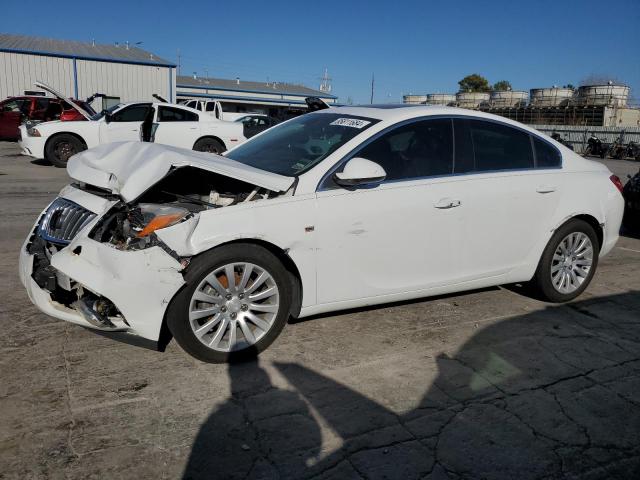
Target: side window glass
[(546, 155), (42, 103), (210, 107), (419, 149), (499, 147), (12, 106), (170, 114), (134, 113)]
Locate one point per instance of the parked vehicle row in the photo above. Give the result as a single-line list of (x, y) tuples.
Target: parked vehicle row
[(34, 109), (157, 122), (339, 208)]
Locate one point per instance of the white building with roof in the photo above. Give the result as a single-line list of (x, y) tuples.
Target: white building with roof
[(80, 69), (249, 96)]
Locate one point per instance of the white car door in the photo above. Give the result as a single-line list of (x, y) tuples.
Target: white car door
[(399, 236), (124, 124), (508, 194), (177, 126)]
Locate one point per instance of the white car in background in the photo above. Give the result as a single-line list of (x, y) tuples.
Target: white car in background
[(341, 208), (214, 107), (164, 123)]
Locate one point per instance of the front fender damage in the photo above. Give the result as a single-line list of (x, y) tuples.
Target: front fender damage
[(140, 284)]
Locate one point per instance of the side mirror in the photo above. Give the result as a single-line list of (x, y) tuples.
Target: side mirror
[(359, 171), (107, 116)]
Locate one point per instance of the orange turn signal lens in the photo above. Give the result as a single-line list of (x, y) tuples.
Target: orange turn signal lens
[(158, 222)]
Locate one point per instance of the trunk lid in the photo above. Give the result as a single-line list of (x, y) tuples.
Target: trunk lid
[(128, 169)]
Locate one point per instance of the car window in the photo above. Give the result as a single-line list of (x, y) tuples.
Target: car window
[(133, 113), (13, 106), (42, 103), (294, 147), (171, 114), (210, 107), (483, 146), (419, 149), (546, 155)]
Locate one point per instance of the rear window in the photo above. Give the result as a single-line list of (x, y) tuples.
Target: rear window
[(547, 156), (483, 146), (170, 114)]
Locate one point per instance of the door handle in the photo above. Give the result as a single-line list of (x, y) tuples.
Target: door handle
[(546, 189), (447, 203)]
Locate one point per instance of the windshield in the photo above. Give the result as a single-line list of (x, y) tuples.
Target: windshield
[(111, 109), (294, 147)]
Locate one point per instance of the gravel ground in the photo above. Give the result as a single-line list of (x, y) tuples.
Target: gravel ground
[(487, 384)]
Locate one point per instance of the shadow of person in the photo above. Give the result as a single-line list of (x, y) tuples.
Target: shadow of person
[(261, 431)]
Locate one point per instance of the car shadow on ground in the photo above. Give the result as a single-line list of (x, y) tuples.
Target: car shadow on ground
[(41, 162), (549, 394)]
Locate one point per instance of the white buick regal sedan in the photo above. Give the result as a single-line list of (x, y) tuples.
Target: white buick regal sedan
[(340, 208)]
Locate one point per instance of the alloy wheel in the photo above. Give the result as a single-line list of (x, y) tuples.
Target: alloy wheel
[(234, 306), (571, 262)]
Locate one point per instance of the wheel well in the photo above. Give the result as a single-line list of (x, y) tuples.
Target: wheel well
[(289, 264), (212, 138), (596, 227), (63, 133)]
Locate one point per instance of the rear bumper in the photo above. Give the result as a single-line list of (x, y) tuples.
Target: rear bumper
[(613, 213)]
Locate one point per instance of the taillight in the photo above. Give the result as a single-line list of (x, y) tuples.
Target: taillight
[(617, 182)]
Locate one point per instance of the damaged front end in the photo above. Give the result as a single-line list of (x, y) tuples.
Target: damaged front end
[(98, 258), (179, 197)]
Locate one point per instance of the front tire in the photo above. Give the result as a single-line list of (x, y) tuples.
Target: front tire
[(61, 147), (210, 145), (236, 302), (568, 262)]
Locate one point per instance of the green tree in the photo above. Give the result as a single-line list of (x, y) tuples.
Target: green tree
[(474, 83), (501, 86)]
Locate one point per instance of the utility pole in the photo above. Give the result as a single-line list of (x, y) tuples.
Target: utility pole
[(372, 84), (325, 82), (178, 61)]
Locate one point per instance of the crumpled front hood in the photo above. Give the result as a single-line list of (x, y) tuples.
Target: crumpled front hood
[(128, 169)]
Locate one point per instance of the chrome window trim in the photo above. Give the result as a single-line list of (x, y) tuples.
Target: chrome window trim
[(320, 187)]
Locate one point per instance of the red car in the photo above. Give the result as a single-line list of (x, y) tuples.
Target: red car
[(16, 110)]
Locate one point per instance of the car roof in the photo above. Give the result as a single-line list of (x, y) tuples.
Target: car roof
[(393, 113)]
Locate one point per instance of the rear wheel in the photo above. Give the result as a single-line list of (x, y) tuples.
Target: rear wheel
[(210, 145), (236, 302), (568, 262), (61, 147)]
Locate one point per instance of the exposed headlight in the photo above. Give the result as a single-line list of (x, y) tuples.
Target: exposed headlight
[(33, 132), (155, 217), (133, 228)]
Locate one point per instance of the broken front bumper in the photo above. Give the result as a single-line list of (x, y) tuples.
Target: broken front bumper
[(140, 284)]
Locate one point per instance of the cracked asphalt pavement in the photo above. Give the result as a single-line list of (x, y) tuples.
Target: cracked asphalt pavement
[(486, 384)]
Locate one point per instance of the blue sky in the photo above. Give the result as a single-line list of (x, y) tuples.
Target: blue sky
[(410, 46)]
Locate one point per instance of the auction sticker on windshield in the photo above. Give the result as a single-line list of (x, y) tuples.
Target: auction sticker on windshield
[(350, 122)]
